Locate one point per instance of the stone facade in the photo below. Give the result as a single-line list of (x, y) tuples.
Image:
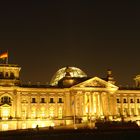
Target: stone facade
[(86, 100)]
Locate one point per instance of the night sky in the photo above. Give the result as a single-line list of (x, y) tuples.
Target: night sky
[(44, 36)]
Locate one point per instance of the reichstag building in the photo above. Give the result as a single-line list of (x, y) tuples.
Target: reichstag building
[(71, 97)]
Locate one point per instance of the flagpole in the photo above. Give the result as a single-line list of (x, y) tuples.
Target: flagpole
[(7, 57)]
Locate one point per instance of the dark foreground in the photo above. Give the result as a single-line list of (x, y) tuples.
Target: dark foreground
[(79, 134)]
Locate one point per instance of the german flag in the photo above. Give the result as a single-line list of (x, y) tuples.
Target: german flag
[(4, 55)]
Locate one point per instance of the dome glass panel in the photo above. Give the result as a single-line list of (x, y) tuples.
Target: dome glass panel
[(73, 71)]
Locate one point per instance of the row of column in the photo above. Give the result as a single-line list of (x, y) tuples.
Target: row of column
[(126, 108), (95, 104)]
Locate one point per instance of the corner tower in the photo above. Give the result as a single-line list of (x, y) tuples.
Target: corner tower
[(9, 75)]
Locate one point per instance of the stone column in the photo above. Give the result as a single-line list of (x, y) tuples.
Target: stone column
[(84, 108), (129, 109), (91, 106), (104, 104), (68, 104), (100, 104), (121, 107), (94, 104), (112, 105), (97, 102), (56, 105), (80, 105), (135, 102), (18, 105), (12, 109), (29, 107)]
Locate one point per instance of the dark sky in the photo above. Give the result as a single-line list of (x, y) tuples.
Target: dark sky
[(43, 36)]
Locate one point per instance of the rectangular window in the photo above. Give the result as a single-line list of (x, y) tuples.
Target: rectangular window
[(51, 100), (138, 100), (118, 100), (60, 100), (124, 100), (131, 101), (33, 100), (42, 100)]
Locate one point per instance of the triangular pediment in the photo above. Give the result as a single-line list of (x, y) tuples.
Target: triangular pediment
[(95, 82), (5, 105)]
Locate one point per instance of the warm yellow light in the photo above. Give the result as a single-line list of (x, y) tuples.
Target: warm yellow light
[(52, 124), (87, 109), (5, 113), (60, 113), (33, 125), (43, 125), (51, 112), (4, 127), (24, 126)]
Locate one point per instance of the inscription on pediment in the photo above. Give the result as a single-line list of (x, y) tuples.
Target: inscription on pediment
[(95, 83)]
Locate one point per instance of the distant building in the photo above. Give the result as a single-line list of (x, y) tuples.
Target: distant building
[(71, 97)]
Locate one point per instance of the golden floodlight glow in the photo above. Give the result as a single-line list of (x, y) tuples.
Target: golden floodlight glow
[(4, 127), (85, 101)]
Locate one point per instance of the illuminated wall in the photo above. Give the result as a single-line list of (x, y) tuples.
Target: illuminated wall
[(90, 99)]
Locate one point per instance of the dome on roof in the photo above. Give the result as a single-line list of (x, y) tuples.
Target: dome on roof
[(67, 71)]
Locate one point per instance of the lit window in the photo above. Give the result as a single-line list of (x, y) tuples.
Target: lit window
[(23, 114), (33, 113), (42, 112), (5, 113), (51, 112), (4, 127), (60, 113), (24, 126)]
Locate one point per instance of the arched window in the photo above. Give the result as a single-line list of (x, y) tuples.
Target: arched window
[(52, 112), (60, 113), (5, 100)]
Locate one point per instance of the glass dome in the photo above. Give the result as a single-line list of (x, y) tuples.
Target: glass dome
[(73, 71)]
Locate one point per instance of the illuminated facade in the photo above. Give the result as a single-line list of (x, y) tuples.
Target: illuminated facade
[(71, 97)]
